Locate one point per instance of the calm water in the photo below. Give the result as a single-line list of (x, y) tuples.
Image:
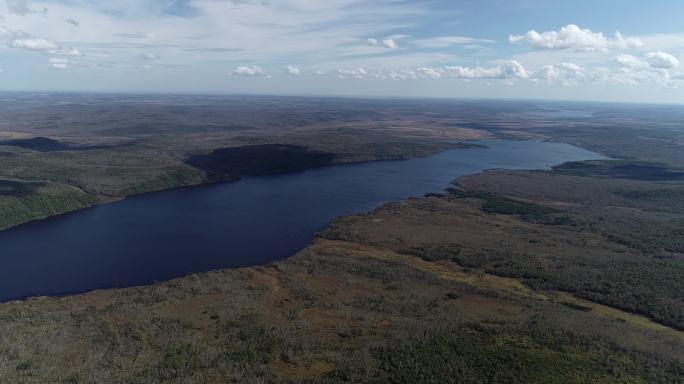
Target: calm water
[(254, 221)]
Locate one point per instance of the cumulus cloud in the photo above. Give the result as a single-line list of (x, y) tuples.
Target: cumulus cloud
[(34, 44), (358, 73), (253, 70), (633, 71), (410, 74), (474, 72), (388, 43), (564, 74), (294, 71), (661, 60), (575, 38), (24, 41), (630, 61), (635, 76), (654, 67), (396, 74), (429, 72), (510, 70), (658, 59)]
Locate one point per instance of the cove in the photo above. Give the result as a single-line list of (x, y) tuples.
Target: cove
[(160, 236)]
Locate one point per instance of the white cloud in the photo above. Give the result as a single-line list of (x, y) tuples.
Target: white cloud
[(661, 59), (258, 31), (631, 61), (388, 43), (514, 70), (395, 74), (294, 71), (67, 52), (115, 36), (510, 70), (632, 71), (34, 44), (21, 40), (658, 59), (429, 72), (636, 76), (564, 74), (655, 68), (410, 74), (575, 38), (474, 72), (59, 63), (358, 73), (253, 70)]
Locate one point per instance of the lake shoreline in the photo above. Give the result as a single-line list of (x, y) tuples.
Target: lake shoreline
[(104, 200), (451, 175)]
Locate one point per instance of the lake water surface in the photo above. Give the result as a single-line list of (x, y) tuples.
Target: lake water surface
[(257, 220)]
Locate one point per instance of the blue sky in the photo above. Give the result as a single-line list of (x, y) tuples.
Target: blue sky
[(606, 50)]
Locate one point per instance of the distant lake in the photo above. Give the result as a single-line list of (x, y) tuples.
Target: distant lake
[(257, 220)]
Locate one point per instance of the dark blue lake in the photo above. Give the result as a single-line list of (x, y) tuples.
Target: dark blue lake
[(257, 220)]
